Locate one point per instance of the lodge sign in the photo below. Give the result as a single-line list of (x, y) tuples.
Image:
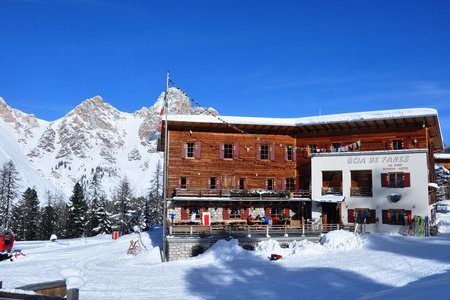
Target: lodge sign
[(378, 159)]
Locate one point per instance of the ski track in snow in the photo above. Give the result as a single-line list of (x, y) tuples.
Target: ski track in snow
[(378, 265)]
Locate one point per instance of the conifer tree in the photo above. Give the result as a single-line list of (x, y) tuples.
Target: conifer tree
[(25, 216), (47, 225), (62, 215), (9, 178), (77, 213), (155, 198), (122, 214), (17, 220)]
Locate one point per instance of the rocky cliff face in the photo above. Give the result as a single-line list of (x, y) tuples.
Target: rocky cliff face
[(93, 138)]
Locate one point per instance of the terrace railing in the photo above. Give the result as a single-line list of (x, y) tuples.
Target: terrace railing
[(332, 191), (361, 192), (234, 193)]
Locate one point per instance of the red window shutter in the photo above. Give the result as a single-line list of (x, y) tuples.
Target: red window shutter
[(283, 184), (183, 150), (208, 183), (184, 213), (225, 213), (266, 185), (236, 151), (351, 215), (408, 216), (405, 144), (198, 149), (245, 213), (188, 183), (179, 182), (384, 180), (221, 147), (258, 151), (286, 153), (297, 184), (294, 154), (272, 152), (267, 212), (372, 217), (286, 212), (385, 216), (406, 180)]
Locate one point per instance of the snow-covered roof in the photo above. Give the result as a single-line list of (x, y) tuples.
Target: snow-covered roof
[(442, 155), (336, 118)]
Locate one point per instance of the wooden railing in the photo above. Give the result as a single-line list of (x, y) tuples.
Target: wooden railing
[(239, 229), (332, 191), (53, 290), (233, 193), (301, 194), (361, 192)]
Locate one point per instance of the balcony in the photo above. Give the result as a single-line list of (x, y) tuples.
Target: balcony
[(361, 192), (332, 191), (233, 193)]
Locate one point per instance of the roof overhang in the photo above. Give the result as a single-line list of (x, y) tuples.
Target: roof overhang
[(329, 199)]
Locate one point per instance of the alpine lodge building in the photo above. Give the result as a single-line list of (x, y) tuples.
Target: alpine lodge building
[(299, 176)]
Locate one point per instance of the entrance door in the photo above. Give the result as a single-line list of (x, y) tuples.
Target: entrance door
[(331, 213)]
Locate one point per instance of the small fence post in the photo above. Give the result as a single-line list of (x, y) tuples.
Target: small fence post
[(191, 230), (267, 231), (303, 229), (248, 231), (73, 294), (170, 230), (337, 226), (285, 231)]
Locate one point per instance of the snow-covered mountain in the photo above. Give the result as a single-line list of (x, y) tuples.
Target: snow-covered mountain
[(93, 137)]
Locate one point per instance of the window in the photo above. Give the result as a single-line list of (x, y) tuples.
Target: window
[(361, 183), (228, 151), (362, 216), (242, 183), (397, 217), (395, 179), (270, 184), (190, 150), (276, 212), (264, 152), (235, 213), (289, 153), (194, 210), (397, 144), (183, 182), (290, 184), (213, 183)]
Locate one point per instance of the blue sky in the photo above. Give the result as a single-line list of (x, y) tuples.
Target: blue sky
[(244, 58)]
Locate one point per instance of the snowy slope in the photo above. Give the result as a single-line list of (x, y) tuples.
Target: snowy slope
[(345, 267)]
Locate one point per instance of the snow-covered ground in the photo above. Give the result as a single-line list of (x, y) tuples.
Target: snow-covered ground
[(377, 266)]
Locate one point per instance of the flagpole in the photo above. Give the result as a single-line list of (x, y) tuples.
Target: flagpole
[(166, 168)]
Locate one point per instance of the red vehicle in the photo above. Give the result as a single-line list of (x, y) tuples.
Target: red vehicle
[(6, 244)]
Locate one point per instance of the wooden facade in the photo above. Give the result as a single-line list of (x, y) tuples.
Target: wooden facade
[(242, 164)]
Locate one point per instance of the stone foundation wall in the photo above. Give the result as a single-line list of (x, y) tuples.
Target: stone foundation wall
[(184, 248)]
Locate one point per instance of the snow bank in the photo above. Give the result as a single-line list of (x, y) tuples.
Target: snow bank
[(333, 241), (73, 278), (443, 222), (341, 240), (223, 250)]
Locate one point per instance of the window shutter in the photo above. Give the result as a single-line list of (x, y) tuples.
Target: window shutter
[(179, 182), (245, 212), (283, 184), (266, 184), (198, 149), (297, 184), (267, 212), (218, 185), (405, 144), (294, 153), (208, 183), (183, 150), (188, 183), (286, 153), (406, 180), (385, 216), (258, 151), (372, 217), (236, 151), (384, 180), (408, 216), (226, 213), (184, 213), (221, 148), (272, 152), (351, 215)]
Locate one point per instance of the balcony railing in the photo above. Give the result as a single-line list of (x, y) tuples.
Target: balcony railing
[(361, 192), (233, 193), (332, 191)]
